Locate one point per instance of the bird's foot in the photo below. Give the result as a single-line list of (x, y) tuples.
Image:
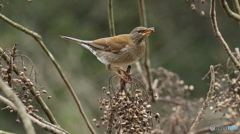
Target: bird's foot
[(127, 75)]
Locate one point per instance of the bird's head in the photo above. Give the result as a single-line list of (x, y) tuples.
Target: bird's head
[(140, 34)]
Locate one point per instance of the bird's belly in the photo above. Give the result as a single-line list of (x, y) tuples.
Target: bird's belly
[(123, 58)]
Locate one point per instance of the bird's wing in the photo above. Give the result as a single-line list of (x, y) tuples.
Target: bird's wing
[(112, 44)]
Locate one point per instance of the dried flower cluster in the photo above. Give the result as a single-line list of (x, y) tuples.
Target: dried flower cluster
[(226, 98), (17, 77), (127, 109), (177, 111)]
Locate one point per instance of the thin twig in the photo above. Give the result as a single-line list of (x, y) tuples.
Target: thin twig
[(237, 7), (146, 61), (111, 18), (206, 102), (47, 124), (229, 12), (39, 99), (38, 38), (139, 68), (20, 107), (219, 36), (49, 127)]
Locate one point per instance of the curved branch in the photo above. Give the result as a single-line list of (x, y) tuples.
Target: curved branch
[(38, 38), (219, 36), (229, 12)]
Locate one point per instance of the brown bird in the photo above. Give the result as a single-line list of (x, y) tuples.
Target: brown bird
[(118, 51)]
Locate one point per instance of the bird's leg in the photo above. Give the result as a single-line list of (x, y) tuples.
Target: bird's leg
[(126, 73), (121, 70), (117, 74)]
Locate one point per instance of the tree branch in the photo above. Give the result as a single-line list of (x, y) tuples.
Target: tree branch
[(219, 36), (146, 61), (20, 107), (40, 122), (111, 18), (39, 99), (229, 12), (206, 102), (38, 38)]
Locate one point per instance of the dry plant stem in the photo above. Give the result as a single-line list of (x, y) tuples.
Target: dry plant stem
[(206, 102), (146, 61), (32, 89), (35, 116), (110, 18), (4, 132), (229, 12), (139, 68), (237, 7), (219, 36), (38, 38), (20, 107), (50, 128)]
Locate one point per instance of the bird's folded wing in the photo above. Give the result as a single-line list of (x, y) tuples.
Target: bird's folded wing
[(112, 44)]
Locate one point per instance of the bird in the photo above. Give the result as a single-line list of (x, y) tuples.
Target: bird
[(118, 51)]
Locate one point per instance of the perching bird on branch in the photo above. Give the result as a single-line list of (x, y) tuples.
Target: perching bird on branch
[(118, 51)]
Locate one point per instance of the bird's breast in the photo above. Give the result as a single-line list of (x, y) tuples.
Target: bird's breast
[(126, 56)]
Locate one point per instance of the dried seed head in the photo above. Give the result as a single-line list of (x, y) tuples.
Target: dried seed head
[(193, 7), (17, 120), (30, 107), (24, 69)]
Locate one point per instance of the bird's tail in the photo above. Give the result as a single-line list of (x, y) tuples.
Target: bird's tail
[(83, 43), (75, 40)]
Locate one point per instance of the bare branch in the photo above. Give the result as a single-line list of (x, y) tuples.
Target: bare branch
[(206, 102), (38, 38), (219, 36), (146, 61), (229, 12), (20, 107), (111, 18), (40, 122), (32, 89)]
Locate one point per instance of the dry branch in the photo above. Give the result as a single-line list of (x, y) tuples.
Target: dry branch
[(20, 107), (38, 38)]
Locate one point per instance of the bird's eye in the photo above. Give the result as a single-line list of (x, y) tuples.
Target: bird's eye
[(140, 31)]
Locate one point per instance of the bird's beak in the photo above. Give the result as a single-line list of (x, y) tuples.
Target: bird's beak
[(149, 30)]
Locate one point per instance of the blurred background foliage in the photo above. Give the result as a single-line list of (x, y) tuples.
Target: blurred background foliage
[(183, 43)]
